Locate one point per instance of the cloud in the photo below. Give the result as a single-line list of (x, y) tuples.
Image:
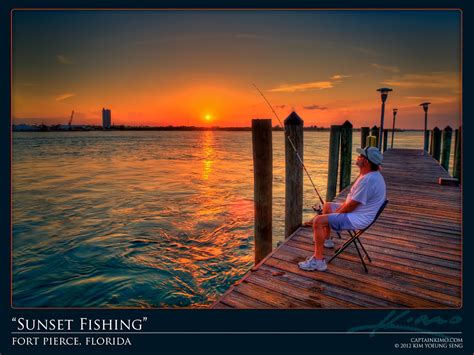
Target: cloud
[(279, 106), (64, 96), (315, 107), (63, 59), (316, 85), (433, 99), (392, 69), (339, 77), (436, 80)]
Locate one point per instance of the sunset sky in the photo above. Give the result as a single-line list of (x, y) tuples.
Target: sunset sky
[(193, 67)]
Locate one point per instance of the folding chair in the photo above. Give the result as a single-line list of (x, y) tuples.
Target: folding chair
[(354, 238)]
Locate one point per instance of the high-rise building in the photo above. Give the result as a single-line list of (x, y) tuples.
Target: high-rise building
[(106, 118)]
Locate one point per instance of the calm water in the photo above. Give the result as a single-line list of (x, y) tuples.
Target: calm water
[(143, 219)]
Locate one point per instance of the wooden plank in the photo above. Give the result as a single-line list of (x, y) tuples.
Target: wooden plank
[(406, 295), (388, 279), (238, 300), (359, 300), (290, 287), (400, 245), (391, 265), (383, 255)]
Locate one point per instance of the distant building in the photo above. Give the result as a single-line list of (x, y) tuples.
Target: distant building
[(106, 118), (25, 127)]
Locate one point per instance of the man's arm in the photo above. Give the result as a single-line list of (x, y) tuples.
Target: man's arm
[(348, 206)]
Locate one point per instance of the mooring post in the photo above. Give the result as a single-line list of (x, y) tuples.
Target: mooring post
[(364, 133), (436, 143), (293, 174), (446, 150), (333, 162), (385, 139), (263, 178), (426, 141), (457, 169), (431, 141), (374, 131), (395, 110), (346, 155), (371, 141)]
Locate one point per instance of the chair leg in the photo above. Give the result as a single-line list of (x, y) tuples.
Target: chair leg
[(361, 258), (341, 249), (365, 251)]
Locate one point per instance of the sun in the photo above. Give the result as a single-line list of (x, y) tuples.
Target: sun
[(208, 117)]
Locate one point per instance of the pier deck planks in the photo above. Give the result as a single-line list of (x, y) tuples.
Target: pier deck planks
[(415, 248)]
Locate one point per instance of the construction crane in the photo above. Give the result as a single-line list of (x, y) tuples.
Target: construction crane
[(70, 120)]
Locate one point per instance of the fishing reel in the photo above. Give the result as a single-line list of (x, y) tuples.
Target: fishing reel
[(318, 208)]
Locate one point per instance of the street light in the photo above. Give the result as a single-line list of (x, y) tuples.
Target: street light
[(383, 94), (425, 141), (395, 110)]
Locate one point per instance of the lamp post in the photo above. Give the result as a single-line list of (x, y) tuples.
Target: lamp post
[(425, 141), (395, 110), (383, 94)]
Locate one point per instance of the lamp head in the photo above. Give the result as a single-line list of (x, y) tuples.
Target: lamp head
[(384, 93), (395, 110), (425, 106)]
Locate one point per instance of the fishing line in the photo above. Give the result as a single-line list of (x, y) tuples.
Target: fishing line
[(292, 145)]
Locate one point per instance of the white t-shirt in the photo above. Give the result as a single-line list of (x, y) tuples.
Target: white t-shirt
[(369, 190)]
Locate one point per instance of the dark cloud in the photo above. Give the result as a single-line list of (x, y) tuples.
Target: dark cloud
[(315, 107), (279, 106)]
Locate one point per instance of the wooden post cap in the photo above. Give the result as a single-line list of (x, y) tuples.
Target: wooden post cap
[(293, 119), (347, 124)]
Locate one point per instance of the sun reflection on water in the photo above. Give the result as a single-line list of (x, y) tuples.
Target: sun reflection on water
[(207, 153)]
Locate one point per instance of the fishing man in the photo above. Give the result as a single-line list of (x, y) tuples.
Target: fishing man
[(359, 210)]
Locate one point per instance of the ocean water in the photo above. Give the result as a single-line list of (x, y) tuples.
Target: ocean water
[(143, 219)]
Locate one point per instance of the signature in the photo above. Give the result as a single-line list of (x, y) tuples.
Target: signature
[(402, 321)]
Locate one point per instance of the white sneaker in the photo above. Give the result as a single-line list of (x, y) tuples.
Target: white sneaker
[(328, 243), (312, 264)]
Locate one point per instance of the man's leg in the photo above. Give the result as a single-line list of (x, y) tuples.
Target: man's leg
[(327, 209), (321, 232)]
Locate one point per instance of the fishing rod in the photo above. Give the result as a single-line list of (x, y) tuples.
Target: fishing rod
[(294, 148)]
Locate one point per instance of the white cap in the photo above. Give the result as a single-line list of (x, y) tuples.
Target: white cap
[(372, 154)]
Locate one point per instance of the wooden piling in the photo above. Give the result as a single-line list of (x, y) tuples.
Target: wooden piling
[(364, 133), (431, 141), (346, 155), (293, 174), (446, 147), (457, 169), (374, 131), (263, 178), (371, 141), (385, 139), (333, 162), (436, 143), (426, 141)]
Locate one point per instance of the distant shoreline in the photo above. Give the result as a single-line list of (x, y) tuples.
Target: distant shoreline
[(85, 128)]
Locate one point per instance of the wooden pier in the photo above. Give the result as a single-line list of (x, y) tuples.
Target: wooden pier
[(415, 246)]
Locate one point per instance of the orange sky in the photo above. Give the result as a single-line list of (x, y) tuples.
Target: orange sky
[(177, 68)]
